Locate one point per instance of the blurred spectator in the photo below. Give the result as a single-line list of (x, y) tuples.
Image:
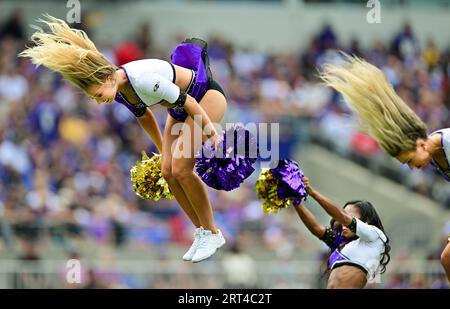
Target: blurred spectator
[(13, 86), (144, 39), (363, 144), (327, 38), (240, 269), (431, 54), (13, 26), (405, 44), (128, 51), (29, 273)]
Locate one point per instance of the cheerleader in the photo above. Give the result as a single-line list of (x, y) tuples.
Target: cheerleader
[(358, 246), (390, 121), (185, 85)]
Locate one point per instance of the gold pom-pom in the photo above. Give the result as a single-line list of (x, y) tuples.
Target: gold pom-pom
[(267, 188), (147, 179)]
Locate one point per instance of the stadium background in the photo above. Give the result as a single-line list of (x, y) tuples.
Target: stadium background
[(64, 161)]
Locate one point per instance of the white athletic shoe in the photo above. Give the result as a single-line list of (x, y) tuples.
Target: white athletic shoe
[(208, 245), (190, 253)]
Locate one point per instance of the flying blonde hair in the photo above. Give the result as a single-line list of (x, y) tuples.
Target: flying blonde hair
[(368, 93), (69, 52)]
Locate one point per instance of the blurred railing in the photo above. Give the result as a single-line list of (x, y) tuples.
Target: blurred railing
[(208, 274)]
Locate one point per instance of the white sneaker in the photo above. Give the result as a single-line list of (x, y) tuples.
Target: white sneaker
[(208, 245), (190, 253)]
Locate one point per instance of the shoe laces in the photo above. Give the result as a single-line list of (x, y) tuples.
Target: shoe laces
[(203, 239), (198, 235), (199, 231)]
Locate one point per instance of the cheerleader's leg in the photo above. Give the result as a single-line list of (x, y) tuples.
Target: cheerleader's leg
[(175, 187), (214, 104)]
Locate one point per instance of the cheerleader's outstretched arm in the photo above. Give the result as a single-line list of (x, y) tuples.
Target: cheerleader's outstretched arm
[(332, 209), (310, 220)]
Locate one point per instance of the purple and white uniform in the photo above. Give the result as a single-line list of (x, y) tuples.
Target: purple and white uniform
[(365, 252), (445, 144), (152, 81)]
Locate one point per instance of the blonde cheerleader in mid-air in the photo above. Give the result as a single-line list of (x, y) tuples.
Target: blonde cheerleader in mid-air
[(184, 85), (398, 130)]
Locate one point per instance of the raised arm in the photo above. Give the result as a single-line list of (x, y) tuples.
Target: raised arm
[(310, 221), (333, 210), (150, 125)]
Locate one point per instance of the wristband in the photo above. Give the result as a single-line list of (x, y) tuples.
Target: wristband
[(181, 99)]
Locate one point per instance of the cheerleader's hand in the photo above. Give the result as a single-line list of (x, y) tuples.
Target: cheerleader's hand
[(308, 187), (215, 140)]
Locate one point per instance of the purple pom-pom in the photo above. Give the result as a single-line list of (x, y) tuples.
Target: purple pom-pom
[(290, 182), (226, 167)]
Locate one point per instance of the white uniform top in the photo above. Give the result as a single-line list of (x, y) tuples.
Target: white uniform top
[(445, 143), (152, 80), (367, 250)]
